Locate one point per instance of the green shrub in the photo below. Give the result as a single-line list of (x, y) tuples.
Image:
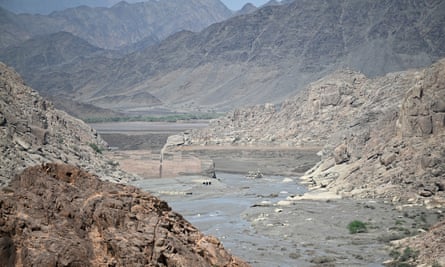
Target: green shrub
[(357, 227), (408, 254), (406, 258), (96, 148)]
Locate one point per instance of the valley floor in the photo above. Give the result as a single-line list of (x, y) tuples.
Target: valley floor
[(263, 220), (258, 220)]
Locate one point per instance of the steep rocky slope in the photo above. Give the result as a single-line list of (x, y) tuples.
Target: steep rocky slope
[(265, 55), (48, 50), (401, 155), (121, 25), (33, 132), (47, 57), (427, 247), (382, 137), (59, 215)]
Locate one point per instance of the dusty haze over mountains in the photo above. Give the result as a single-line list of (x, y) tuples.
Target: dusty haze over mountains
[(264, 56), (48, 6)]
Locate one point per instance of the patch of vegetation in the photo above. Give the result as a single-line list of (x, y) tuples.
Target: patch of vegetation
[(409, 254), (163, 118), (404, 259), (356, 226), (96, 148), (400, 222)]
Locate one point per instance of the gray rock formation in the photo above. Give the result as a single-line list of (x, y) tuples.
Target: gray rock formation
[(381, 137), (33, 132)]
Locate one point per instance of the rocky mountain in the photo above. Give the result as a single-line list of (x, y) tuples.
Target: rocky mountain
[(265, 56), (381, 137), (121, 25), (50, 50), (246, 9), (33, 7), (83, 111), (33, 132), (59, 215), (250, 8)]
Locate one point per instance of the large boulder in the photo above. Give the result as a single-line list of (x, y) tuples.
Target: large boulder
[(59, 215)]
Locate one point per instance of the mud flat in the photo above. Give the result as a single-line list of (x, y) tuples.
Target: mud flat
[(268, 160), (142, 135)]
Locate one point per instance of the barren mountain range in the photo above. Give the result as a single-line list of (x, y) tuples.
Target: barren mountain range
[(266, 55), (48, 6), (121, 25)]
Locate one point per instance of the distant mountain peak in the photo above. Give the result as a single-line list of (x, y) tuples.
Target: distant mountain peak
[(246, 9), (121, 3), (272, 3)]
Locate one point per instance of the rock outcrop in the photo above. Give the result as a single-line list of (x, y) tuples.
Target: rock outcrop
[(33, 132), (401, 155), (381, 137), (59, 215)]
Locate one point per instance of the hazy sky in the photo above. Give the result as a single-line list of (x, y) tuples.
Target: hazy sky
[(238, 4)]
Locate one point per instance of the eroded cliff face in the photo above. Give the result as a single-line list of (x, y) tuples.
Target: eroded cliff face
[(33, 132), (381, 137), (402, 157), (59, 215)]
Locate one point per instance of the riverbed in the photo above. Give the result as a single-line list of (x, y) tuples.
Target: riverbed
[(262, 220), (259, 220), (216, 206)]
